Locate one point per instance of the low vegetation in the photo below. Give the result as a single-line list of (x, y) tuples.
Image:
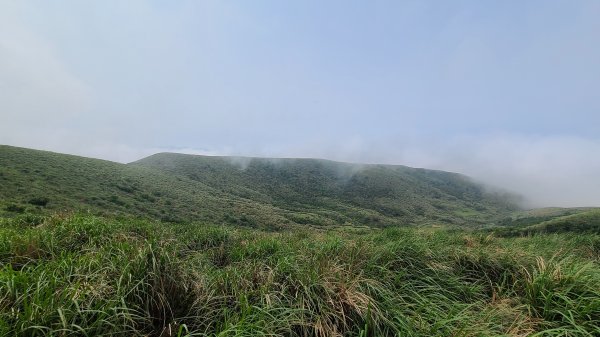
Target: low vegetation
[(178, 245), (587, 221), (82, 275), (251, 192)]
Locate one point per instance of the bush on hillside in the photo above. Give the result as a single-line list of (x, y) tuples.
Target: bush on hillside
[(13, 208), (39, 201)]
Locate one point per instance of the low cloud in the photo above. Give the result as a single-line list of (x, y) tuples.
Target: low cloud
[(36, 86), (548, 171), (545, 170)]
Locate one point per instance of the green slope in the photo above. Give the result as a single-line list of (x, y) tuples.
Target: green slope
[(582, 220), (342, 192), (243, 191), (38, 181)]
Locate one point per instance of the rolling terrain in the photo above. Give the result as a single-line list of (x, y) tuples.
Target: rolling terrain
[(250, 192), (181, 245)]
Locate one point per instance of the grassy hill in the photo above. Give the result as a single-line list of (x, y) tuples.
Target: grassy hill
[(342, 192), (575, 221), (44, 182), (204, 272), (244, 191)]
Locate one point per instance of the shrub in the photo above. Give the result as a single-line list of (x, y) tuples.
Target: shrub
[(15, 208), (39, 201)]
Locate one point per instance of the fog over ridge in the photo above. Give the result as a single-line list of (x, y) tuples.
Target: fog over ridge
[(504, 93)]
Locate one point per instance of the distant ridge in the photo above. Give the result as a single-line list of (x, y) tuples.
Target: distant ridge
[(256, 192)]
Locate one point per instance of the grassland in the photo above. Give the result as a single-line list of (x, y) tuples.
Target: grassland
[(250, 192), (179, 245), (82, 275), (584, 221)]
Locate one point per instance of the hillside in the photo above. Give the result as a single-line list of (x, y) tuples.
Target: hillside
[(45, 182), (328, 189), (576, 221), (244, 191)]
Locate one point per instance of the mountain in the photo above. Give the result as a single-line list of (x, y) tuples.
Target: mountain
[(256, 192)]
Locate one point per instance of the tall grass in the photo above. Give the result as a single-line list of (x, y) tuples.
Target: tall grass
[(78, 275)]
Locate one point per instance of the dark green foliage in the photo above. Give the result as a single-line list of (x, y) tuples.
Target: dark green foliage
[(39, 201), (14, 208)]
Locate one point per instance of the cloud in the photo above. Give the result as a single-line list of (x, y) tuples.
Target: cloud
[(547, 170), (123, 153), (36, 87), (39, 95)]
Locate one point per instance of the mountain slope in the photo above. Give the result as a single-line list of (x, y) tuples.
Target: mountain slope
[(335, 190), (582, 220), (38, 181), (243, 191)]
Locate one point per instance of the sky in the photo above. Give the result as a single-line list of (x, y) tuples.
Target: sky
[(507, 92)]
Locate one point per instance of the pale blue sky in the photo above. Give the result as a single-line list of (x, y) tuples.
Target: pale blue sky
[(504, 91)]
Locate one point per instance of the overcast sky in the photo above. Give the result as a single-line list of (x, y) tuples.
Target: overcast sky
[(507, 92)]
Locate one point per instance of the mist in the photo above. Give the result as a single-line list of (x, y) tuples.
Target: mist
[(546, 171)]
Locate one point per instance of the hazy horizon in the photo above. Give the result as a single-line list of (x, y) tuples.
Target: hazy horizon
[(505, 92)]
